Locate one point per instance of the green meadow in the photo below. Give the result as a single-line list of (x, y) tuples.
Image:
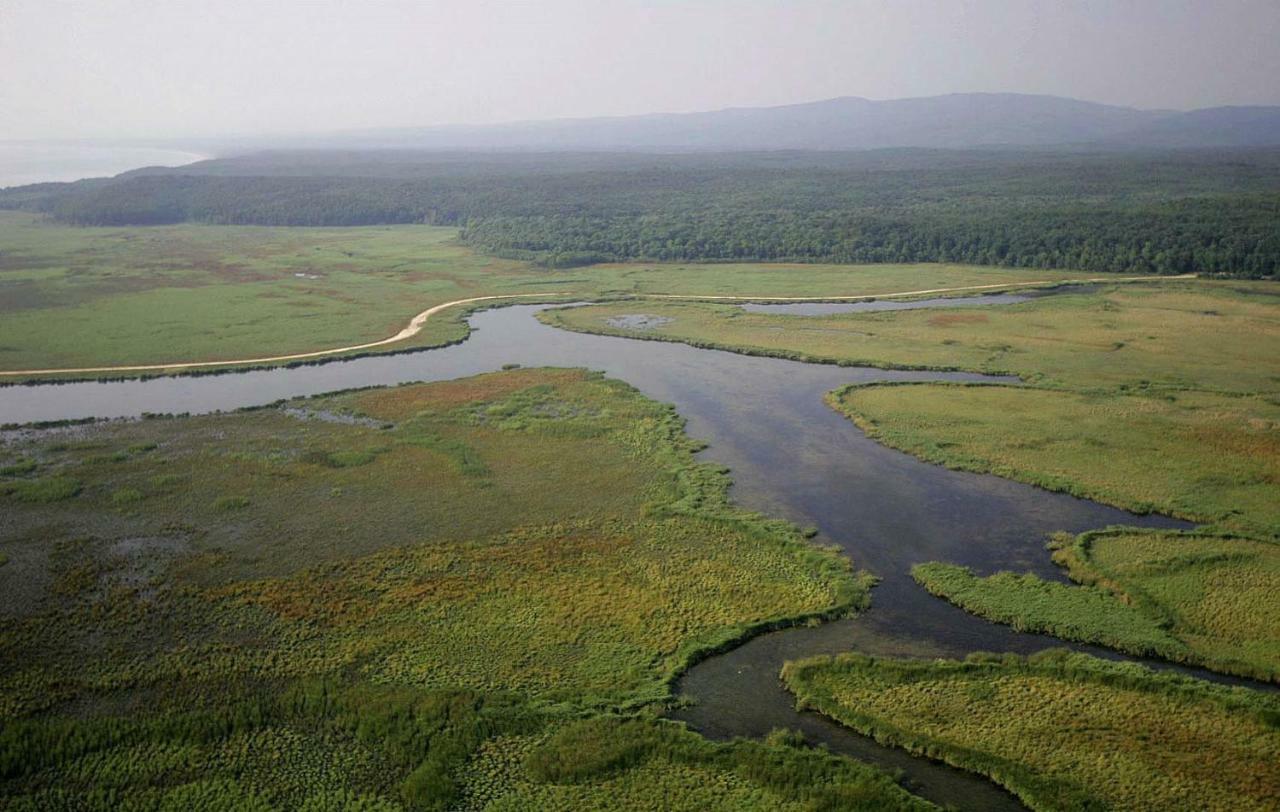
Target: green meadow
[(1062, 730), (1193, 598), (405, 598), (1203, 456), (105, 296), (1182, 449), (100, 296), (1153, 397), (1221, 336), (807, 280), (478, 594)]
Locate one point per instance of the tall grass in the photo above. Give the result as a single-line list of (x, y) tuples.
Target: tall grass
[(1201, 334), (1188, 597), (1063, 730), (296, 613), (1202, 456)]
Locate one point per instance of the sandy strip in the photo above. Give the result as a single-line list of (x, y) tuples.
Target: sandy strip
[(412, 329), (417, 322), (914, 292)]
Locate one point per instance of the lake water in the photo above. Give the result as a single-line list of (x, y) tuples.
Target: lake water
[(790, 456), (29, 162)]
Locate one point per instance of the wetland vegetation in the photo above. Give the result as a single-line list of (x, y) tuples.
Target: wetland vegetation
[(1150, 397), (1062, 730), (1189, 597), (202, 293), (1219, 336), (1205, 456), (1211, 457), (481, 593), (413, 597)]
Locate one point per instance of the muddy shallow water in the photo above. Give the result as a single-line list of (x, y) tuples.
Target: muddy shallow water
[(790, 456)]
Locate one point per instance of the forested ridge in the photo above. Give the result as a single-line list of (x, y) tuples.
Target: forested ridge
[(1169, 212)]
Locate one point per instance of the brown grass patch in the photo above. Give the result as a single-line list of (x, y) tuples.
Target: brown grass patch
[(948, 319), (1236, 440), (406, 401), (226, 272)]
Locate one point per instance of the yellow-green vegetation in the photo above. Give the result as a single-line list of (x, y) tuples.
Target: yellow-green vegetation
[(783, 279), (73, 297), (1211, 335), (88, 297), (1032, 604), (1205, 598), (612, 764), (1062, 730), (1198, 455), (335, 602), (1217, 594), (317, 746), (1151, 397), (1191, 597)]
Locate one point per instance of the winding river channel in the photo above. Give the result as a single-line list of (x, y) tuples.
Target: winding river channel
[(790, 456)]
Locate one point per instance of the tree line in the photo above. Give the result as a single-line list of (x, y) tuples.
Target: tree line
[(1168, 213)]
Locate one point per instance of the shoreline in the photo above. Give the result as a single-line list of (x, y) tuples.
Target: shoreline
[(416, 324), (23, 163)]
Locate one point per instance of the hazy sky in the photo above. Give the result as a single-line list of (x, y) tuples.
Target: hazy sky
[(226, 67)]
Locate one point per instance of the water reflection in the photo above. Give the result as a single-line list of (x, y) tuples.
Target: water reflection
[(790, 455)]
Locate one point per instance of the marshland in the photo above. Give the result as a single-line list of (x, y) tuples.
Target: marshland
[(917, 454)]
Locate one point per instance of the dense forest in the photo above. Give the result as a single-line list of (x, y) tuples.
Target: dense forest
[(1158, 212)]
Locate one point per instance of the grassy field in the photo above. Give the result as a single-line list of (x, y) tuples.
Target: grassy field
[(1215, 594), (390, 596), (103, 296), (76, 297), (476, 594), (1199, 455), (317, 747), (1205, 599), (1063, 731), (1192, 598), (1213, 335), (611, 764), (784, 279), (1152, 397)]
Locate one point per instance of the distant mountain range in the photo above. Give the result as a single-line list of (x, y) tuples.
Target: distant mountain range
[(955, 121)]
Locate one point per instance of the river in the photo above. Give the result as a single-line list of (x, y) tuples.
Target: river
[(790, 456)]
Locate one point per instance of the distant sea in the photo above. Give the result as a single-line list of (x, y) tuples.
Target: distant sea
[(29, 162)]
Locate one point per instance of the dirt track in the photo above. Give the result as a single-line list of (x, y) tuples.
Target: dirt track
[(416, 323)]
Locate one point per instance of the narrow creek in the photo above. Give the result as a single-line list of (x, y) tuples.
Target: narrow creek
[(790, 456)]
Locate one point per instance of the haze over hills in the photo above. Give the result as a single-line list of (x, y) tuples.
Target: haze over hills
[(954, 121), (1211, 127)]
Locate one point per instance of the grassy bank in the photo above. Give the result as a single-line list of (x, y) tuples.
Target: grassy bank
[(372, 590), (88, 297), (785, 279), (1062, 731), (1202, 334), (1201, 598), (1198, 455), (1192, 598), (106, 296), (1153, 398)]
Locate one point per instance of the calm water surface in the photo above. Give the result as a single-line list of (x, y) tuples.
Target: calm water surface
[(790, 456), (32, 162)]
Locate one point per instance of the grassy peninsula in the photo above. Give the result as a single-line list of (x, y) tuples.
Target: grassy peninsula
[(1061, 730)]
